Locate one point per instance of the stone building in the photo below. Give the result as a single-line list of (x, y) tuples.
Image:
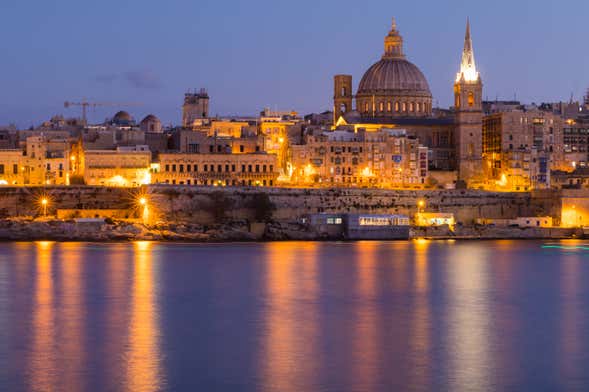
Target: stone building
[(120, 167), (355, 158), (42, 161), (520, 148), (248, 169), (151, 124), (196, 107), (187, 141), (575, 135), (394, 93)]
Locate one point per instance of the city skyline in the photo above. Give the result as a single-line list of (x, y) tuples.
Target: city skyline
[(265, 56)]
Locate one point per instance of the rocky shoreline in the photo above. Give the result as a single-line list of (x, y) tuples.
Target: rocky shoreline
[(29, 229)]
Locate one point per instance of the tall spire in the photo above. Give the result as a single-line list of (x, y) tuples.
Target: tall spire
[(468, 69), (393, 43)]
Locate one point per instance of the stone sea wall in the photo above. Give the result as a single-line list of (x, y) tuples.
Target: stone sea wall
[(206, 205)]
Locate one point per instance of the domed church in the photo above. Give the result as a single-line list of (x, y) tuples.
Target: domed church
[(394, 93)]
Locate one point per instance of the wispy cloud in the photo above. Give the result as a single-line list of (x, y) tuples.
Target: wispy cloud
[(139, 79)]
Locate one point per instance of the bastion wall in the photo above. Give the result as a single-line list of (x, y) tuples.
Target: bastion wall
[(202, 204)]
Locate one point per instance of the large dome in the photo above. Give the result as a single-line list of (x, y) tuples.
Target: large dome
[(394, 77), (393, 87)]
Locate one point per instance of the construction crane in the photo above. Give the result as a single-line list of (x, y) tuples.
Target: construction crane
[(85, 105)]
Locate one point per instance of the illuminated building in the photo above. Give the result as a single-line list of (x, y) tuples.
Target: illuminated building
[(249, 169), (576, 143), (520, 148), (394, 93), (468, 90), (384, 158), (120, 167), (278, 129), (187, 141)]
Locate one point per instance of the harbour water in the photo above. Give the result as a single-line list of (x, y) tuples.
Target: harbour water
[(365, 316)]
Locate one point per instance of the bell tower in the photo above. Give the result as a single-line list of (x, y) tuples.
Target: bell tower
[(468, 92), (342, 95)]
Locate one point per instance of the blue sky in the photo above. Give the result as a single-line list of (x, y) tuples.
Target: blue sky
[(251, 54)]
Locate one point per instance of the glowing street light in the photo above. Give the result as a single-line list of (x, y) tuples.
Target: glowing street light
[(142, 201), (44, 203), (420, 205)]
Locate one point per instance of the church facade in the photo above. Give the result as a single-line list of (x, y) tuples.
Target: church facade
[(394, 93)]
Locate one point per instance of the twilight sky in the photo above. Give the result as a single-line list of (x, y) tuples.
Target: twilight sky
[(257, 53)]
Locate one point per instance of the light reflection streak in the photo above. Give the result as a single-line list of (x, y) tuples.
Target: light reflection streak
[(72, 314), (143, 356), (366, 339), (118, 278), (43, 354), (571, 338), (289, 350), (469, 326), (419, 341)]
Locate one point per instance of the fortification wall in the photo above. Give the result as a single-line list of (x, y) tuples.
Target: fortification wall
[(201, 204)]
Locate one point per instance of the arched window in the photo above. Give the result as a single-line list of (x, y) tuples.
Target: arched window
[(396, 106), (418, 108), (343, 91), (366, 107), (404, 106), (343, 108), (381, 107), (411, 107), (470, 99), (389, 106)]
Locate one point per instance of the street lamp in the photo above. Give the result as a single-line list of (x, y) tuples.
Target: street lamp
[(44, 203), (420, 205)]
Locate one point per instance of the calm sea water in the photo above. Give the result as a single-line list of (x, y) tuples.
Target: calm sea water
[(367, 316)]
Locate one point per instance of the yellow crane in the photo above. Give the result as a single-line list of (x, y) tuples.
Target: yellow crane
[(84, 104)]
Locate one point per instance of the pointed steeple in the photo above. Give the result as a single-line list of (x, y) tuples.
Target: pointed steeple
[(468, 70), (393, 43)]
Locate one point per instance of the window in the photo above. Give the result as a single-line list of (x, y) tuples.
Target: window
[(243, 168), (249, 168), (1, 169), (233, 169), (14, 169), (227, 168), (188, 167), (257, 168), (271, 168), (181, 168), (404, 107), (381, 107), (396, 106), (195, 168), (206, 168), (241, 149), (219, 168), (211, 148), (389, 107), (173, 168), (470, 99), (167, 168)]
